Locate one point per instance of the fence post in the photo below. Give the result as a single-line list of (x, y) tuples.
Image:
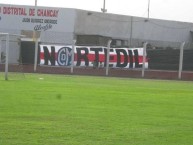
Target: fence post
[(0, 50), (144, 59), (181, 60), (107, 61), (36, 50), (7, 57), (72, 59)]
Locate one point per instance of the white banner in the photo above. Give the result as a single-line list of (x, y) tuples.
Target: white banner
[(56, 55)]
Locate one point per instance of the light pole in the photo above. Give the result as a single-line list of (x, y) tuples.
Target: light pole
[(103, 9), (36, 1), (148, 8)]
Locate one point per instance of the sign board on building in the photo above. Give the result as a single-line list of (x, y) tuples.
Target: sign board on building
[(15, 17)]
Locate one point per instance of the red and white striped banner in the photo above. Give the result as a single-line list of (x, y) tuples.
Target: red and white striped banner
[(88, 55)]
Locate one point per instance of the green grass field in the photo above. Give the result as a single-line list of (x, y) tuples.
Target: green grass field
[(79, 110)]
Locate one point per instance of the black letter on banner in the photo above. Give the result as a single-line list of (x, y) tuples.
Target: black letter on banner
[(96, 50), (137, 65), (82, 56), (119, 64), (48, 56), (130, 58)]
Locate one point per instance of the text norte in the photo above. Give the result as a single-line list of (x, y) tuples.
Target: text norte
[(85, 56)]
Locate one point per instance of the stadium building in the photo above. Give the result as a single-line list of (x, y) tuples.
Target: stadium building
[(60, 26)]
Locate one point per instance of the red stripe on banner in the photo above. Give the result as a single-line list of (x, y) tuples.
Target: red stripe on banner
[(91, 58), (42, 55)]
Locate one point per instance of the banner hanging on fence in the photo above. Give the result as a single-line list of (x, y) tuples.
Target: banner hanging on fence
[(91, 56)]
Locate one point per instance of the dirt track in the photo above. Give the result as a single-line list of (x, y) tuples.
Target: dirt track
[(149, 74)]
